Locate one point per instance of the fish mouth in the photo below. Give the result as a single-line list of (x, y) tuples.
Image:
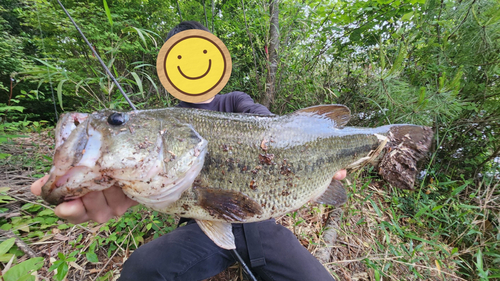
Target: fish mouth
[(198, 77)]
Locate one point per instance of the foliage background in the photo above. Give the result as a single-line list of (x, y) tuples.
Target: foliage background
[(434, 63)]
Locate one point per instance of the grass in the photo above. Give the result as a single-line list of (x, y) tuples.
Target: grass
[(445, 230)]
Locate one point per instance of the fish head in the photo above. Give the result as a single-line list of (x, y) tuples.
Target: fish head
[(152, 159)]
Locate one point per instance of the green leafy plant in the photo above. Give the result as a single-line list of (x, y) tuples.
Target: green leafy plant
[(61, 265), (22, 271)]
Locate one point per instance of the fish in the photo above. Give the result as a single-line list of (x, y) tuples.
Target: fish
[(217, 168)]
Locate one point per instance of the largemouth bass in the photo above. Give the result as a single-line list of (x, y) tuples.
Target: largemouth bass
[(218, 168)]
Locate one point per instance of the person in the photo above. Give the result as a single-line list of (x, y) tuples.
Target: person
[(187, 253)]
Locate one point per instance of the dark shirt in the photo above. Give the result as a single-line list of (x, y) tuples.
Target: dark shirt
[(237, 102)]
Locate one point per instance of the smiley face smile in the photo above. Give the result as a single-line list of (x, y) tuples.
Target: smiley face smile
[(199, 77)]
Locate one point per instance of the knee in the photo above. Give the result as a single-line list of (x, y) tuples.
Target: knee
[(145, 264)]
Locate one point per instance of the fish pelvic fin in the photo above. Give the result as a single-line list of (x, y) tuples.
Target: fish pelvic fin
[(334, 195), (339, 114), (221, 233)]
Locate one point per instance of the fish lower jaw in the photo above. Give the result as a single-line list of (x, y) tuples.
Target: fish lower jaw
[(74, 183)]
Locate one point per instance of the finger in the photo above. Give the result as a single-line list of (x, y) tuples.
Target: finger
[(36, 187), (117, 200), (340, 175), (97, 207), (73, 211)]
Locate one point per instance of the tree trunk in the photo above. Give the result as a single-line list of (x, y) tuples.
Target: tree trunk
[(272, 62)]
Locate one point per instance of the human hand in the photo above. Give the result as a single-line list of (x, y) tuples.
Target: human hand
[(99, 206), (340, 175)]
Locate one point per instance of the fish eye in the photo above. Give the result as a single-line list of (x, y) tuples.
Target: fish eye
[(117, 118)]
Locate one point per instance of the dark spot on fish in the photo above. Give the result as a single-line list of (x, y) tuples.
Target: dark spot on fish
[(285, 170), (252, 185), (263, 144), (266, 158), (185, 207), (117, 118)]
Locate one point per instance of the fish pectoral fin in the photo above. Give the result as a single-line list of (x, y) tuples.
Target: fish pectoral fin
[(339, 114), (334, 195), (228, 205), (219, 232)]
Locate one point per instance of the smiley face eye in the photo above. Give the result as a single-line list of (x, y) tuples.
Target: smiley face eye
[(117, 118), (179, 57), (204, 51)]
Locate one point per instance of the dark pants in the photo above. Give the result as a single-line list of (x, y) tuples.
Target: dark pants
[(188, 254)]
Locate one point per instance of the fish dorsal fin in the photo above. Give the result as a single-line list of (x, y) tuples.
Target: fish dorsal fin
[(334, 195), (340, 114), (219, 232)]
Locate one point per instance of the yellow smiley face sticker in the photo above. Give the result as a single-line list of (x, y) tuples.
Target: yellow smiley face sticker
[(194, 65)]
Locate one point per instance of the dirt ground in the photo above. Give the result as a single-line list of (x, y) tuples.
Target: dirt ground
[(335, 236)]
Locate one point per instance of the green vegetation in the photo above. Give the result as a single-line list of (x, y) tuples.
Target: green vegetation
[(434, 63)]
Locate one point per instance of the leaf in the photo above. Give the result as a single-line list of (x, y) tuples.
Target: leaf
[(437, 208), (92, 257), (355, 35), (46, 212), (23, 269), (5, 258), (459, 189), (108, 12), (59, 92), (139, 32), (153, 83), (9, 108), (6, 245), (62, 270), (143, 65), (407, 16), (138, 82), (5, 199)]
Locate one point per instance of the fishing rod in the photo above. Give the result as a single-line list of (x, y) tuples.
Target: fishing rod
[(98, 57), (245, 266)]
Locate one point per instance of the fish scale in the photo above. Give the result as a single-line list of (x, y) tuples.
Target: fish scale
[(234, 143)]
